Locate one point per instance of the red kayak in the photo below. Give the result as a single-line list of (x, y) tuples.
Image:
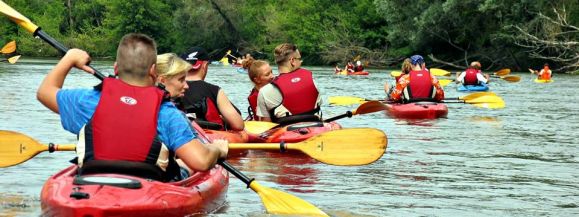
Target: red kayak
[(359, 73), (66, 194), (417, 110), (294, 132)]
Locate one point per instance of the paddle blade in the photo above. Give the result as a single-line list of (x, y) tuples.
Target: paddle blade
[(13, 59), (503, 72), (345, 100), (395, 73), (257, 127), (487, 101), (444, 82), (369, 107), (16, 148), (439, 72), (345, 147), (10, 47), (511, 78), (17, 17), (476, 95), (281, 203)]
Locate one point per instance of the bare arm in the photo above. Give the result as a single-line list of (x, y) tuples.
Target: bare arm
[(53, 82), (229, 113), (202, 157)]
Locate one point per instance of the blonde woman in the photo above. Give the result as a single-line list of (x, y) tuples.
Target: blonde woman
[(260, 73), (171, 71)]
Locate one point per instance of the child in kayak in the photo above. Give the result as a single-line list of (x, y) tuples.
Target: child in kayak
[(418, 84), (260, 73), (121, 122)]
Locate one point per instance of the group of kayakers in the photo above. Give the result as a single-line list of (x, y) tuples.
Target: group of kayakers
[(349, 68), (152, 124)]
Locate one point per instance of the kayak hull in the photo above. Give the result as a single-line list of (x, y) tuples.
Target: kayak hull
[(543, 81), (359, 73), (469, 88), (294, 132), (417, 110), (202, 192)]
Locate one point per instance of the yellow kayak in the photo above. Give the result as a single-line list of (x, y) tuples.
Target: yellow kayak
[(543, 81)]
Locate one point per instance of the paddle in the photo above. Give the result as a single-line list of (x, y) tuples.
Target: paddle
[(479, 99), (275, 201), (16, 148), (345, 147), (509, 78), (502, 72), (439, 72), (37, 31), (11, 60), (10, 47), (258, 127)]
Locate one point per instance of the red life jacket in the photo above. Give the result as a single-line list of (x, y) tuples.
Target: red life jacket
[(545, 75), (201, 99), (298, 91), (420, 86), (252, 98), (470, 78), (124, 124), (359, 68)]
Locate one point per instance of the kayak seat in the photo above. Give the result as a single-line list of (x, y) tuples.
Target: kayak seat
[(106, 180), (138, 169)]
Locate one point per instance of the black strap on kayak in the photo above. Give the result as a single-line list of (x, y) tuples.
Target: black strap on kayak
[(282, 148)]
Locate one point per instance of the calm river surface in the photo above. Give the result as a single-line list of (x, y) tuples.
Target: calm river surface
[(518, 161)]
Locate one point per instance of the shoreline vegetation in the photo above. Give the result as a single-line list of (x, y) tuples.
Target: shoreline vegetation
[(380, 33)]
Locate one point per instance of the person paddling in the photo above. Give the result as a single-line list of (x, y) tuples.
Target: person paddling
[(205, 101), (260, 74), (473, 75), (544, 74), (124, 125), (292, 96), (359, 67), (418, 84)]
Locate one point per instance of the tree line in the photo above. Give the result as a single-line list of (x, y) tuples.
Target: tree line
[(450, 33)]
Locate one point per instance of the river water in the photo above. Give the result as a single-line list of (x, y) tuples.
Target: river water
[(518, 161)]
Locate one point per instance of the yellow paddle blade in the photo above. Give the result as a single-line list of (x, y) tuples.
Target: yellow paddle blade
[(10, 47), (224, 61), (356, 58), (345, 147), (13, 59), (476, 95), (17, 17), (369, 107), (395, 73), (257, 127), (281, 203), (503, 72), (439, 72), (16, 148), (345, 100), (228, 52), (511, 78), (487, 101), (444, 82)]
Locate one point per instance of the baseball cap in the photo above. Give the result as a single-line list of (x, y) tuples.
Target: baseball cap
[(195, 56), (416, 59)]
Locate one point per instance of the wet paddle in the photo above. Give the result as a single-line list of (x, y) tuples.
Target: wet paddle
[(345, 147), (37, 31), (10, 47), (16, 148), (439, 72)]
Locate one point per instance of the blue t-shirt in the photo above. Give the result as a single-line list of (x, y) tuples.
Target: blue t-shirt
[(76, 107)]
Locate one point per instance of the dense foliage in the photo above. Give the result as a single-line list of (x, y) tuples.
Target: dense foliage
[(380, 32)]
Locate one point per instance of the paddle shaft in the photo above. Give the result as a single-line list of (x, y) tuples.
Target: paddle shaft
[(345, 115), (236, 172)]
